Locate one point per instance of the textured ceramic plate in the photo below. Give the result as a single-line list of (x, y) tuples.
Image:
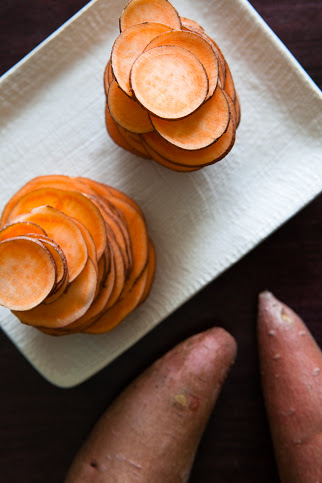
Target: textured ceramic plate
[(52, 114)]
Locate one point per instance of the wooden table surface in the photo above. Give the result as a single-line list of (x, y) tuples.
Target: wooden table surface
[(42, 426)]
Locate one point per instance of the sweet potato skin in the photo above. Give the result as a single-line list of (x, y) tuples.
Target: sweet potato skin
[(152, 430), (291, 364)]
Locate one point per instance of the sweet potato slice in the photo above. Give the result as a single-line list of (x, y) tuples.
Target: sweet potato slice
[(108, 76), (139, 11), (19, 229), (221, 59), (151, 272), (139, 240), (128, 46), (63, 231), (134, 141), (237, 108), (120, 273), (123, 307), (202, 157), (57, 254), (97, 307), (91, 248), (126, 112), (72, 203), (191, 25), (71, 305), (27, 273), (59, 290), (116, 225), (169, 81), (167, 164), (116, 135), (198, 45), (110, 192), (201, 128), (229, 84), (120, 136)]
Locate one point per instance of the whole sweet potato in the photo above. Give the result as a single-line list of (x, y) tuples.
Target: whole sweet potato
[(152, 430), (291, 365)]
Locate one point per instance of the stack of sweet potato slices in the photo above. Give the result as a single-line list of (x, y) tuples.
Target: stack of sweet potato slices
[(75, 255), (170, 95)]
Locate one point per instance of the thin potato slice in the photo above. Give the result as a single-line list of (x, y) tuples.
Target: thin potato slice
[(108, 76), (151, 272), (201, 128), (221, 59), (191, 25), (198, 45), (128, 46), (200, 158), (114, 316), (229, 84), (61, 228), (110, 192), (237, 108), (135, 142), (120, 274), (57, 254), (139, 241), (115, 133), (168, 164), (139, 11), (27, 273), (19, 229), (91, 248), (169, 81), (120, 233), (72, 203), (58, 291), (126, 112), (97, 307), (71, 305)]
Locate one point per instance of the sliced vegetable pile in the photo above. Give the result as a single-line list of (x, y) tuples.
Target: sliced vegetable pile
[(74, 255), (170, 95)]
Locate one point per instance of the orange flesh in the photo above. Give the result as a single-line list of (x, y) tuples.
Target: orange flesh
[(19, 229), (57, 254), (139, 11), (167, 164), (188, 24), (71, 305), (229, 84), (126, 112), (151, 272), (27, 273), (202, 157), (115, 133), (201, 128), (128, 46), (112, 317), (169, 81), (134, 141), (71, 203), (198, 45), (60, 228)]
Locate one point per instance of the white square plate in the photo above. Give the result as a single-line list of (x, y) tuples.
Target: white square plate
[(52, 115)]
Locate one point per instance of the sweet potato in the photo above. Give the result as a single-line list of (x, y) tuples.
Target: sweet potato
[(27, 273), (199, 130), (159, 79), (152, 431), (140, 11), (291, 364)]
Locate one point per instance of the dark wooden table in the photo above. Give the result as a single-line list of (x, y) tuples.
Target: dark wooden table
[(42, 426)]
